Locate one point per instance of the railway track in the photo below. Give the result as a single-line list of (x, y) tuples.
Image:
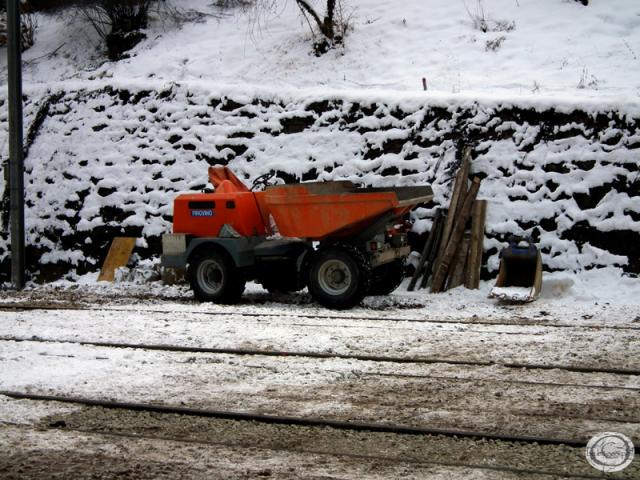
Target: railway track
[(355, 455), (284, 420), (474, 321), (559, 438), (323, 355), (513, 438), (293, 420)]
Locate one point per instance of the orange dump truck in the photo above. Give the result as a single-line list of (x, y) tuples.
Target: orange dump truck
[(340, 241)]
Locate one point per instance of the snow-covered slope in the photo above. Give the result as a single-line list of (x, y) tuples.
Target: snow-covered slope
[(548, 97), (109, 161), (531, 47)]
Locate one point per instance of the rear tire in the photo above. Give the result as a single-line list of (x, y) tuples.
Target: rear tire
[(386, 278), (214, 278), (339, 277)]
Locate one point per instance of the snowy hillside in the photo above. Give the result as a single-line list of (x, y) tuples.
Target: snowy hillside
[(531, 47), (118, 154), (546, 93)]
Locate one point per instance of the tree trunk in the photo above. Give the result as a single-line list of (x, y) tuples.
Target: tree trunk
[(328, 24)]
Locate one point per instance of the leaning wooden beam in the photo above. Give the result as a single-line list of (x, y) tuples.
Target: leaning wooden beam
[(428, 266), (461, 181), (459, 263), (118, 256), (428, 246), (476, 249), (456, 235)]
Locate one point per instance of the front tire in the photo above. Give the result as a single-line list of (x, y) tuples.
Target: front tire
[(339, 277), (214, 278)]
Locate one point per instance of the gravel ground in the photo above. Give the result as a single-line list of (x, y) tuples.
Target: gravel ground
[(98, 443), (51, 440), (604, 348), (339, 389)]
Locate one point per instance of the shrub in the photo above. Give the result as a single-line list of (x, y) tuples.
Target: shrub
[(332, 27), (118, 22), (328, 28), (28, 26)]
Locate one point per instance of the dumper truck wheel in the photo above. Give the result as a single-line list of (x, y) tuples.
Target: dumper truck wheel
[(339, 277), (386, 278), (214, 278)]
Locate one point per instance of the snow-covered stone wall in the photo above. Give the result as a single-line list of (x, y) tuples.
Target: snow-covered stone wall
[(109, 160)]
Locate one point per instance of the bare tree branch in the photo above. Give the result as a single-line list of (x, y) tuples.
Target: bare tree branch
[(309, 9)]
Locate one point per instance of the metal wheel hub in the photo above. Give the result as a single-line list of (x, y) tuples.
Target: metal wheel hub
[(210, 276), (334, 277)]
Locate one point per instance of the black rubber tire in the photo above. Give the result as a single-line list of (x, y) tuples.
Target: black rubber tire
[(214, 278), (386, 278), (339, 277)]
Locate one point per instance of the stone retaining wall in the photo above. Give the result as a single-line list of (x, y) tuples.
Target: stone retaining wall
[(109, 161)]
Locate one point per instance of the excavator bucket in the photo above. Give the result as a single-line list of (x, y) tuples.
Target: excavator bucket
[(520, 275)]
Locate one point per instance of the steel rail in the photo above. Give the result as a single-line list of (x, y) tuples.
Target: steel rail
[(292, 420), (501, 380), (591, 326), (361, 456), (322, 355)]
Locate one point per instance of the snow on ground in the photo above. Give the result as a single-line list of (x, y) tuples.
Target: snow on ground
[(603, 296), (530, 48), (444, 394), (130, 313), (490, 398), (439, 394)]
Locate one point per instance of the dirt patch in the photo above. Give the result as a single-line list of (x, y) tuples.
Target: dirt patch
[(408, 449)]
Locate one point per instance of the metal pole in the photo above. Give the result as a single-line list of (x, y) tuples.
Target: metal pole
[(16, 161)]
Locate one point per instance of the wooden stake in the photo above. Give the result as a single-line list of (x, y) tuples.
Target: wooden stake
[(428, 246), (118, 256), (456, 235), (460, 184), (428, 267), (464, 186), (476, 249), (457, 268)]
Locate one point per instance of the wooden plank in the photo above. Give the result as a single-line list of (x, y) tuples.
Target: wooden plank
[(118, 256), (464, 180), (459, 262), (461, 181), (460, 184), (428, 246), (478, 217), (440, 276), (428, 267)]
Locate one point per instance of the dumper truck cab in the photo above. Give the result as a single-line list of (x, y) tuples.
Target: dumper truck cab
[(340, 241)]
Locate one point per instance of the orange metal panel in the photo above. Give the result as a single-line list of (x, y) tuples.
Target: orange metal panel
[(204, 214), (314, 210), (317, 216), (218, 175)]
